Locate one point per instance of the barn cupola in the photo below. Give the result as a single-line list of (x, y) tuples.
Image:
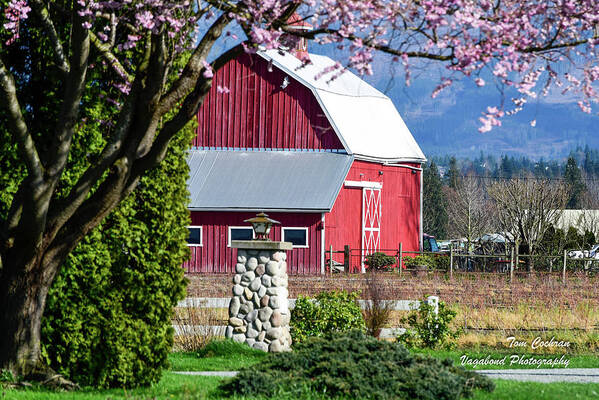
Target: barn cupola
[(298, 46)]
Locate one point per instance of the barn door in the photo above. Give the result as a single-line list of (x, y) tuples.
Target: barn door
[(371, 221)]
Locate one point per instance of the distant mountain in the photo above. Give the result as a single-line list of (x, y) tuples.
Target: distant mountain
[(559, 129), (448, 125)]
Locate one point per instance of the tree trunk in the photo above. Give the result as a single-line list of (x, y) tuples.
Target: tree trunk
[(24, 285)]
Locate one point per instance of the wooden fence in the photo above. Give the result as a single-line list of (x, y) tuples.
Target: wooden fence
[(452, 262)]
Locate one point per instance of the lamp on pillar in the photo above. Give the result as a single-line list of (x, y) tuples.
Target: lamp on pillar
[(261, 225)]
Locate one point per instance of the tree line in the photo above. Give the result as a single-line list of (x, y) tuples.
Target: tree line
[(524, 205)]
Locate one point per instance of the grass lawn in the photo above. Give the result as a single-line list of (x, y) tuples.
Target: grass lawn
[(191, 362), (576, 361), (230, 356), (174, 386), (171, 386), (512, 390), (217, 356)]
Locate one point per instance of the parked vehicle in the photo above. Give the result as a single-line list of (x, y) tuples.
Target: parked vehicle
[(444, 245), (429, 243), (592, 253)]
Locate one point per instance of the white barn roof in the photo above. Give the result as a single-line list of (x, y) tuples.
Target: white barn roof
[(366, 121)]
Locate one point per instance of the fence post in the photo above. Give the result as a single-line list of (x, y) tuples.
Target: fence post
[(450, 261), (331, 259), (516, 260), (564, 269), (512, 265), (400, 258), (346, 258)]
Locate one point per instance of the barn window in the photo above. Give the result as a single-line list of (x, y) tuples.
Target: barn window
[(195, 235), (297, 236), (240, 233)]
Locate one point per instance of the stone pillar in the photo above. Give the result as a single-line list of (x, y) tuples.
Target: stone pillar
[(259, 309)]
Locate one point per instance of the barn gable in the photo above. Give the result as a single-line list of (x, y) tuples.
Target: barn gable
[(248, 109), (365, 120)]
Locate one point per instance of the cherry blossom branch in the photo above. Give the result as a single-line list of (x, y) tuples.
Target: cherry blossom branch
[(186, 111)]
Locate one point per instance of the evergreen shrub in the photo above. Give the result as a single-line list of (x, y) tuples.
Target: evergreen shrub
[(108, 315), (355, 366)]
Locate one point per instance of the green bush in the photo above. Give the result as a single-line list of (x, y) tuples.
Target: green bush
[(430, 261), (328, 312), (427, 329), (419, 260), (379, 261), (357, 367), (108, 316), (441, 262)]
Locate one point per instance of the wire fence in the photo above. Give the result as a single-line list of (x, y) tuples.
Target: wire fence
[(512, 265)]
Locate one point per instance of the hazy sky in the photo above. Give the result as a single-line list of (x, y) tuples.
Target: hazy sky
[(449, 123)]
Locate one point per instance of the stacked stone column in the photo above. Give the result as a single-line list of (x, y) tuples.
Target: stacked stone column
[(259, 309)]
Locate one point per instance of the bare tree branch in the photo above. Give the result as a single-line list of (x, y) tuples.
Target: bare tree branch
[(59, 55), (69, 111), (469, 210), (17, 125), (104, 49), (194, 67), (528, 207)]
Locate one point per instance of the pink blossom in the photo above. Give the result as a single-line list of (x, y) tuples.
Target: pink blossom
[(15, 11), (512, 39), (208, 73), (446, 82)]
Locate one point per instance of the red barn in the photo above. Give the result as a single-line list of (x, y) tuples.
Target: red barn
[(331, 159)]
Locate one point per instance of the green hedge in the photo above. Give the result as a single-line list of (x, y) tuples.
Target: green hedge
[(108, 314)]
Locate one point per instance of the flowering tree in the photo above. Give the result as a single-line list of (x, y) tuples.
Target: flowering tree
[(145, 65)]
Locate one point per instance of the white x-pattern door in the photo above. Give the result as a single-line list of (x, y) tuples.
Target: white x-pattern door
[(371, 221)]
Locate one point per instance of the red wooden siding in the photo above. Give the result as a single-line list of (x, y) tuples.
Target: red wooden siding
[(400, 209), (215, 257), (257, 113)]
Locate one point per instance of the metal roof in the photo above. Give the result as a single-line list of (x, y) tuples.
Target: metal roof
[(265, 180), (366, 120)]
